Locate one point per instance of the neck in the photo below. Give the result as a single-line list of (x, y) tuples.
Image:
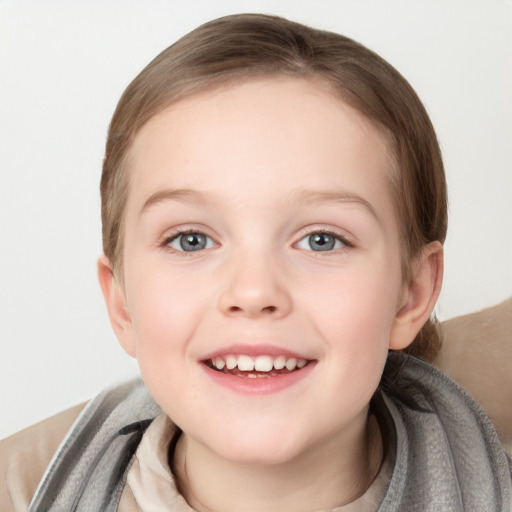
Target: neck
[(327, 475)]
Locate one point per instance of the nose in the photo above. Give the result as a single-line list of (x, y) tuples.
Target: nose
[(255, 287)]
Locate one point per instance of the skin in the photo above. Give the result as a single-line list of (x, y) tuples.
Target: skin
[(260, 162)]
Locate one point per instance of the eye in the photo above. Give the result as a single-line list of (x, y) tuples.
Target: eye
[(190, 242), (321, 242)]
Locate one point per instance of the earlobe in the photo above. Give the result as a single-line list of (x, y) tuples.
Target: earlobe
[(115, 300), (419, 296)]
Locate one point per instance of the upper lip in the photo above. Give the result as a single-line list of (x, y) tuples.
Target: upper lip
[(254, 351)]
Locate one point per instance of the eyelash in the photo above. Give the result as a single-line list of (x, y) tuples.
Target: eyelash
[(182, 232)]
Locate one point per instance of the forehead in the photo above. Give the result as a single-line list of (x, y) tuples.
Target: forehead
[(261, 137)]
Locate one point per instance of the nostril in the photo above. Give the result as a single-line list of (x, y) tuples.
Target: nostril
[(266, 309)]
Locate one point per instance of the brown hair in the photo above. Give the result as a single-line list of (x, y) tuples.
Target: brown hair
[(248, 46)]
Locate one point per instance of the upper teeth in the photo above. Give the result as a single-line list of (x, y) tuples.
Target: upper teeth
[(260, 364)]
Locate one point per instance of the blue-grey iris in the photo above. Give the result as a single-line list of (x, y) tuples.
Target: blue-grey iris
[(321, 242), (193, 242)]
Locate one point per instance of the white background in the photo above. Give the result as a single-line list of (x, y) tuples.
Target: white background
[(63, 65)]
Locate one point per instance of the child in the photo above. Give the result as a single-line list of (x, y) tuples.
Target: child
[(274, 208)]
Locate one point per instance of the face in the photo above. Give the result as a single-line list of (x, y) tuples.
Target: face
[(261, 267)]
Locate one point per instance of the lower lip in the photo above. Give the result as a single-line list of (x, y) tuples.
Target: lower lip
[(258, 385)]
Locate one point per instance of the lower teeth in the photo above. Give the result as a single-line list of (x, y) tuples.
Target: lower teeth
[(254, 375)]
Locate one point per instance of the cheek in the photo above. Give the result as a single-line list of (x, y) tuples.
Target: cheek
[(360, 300), (164, 309), (355, 318), (164, 321)]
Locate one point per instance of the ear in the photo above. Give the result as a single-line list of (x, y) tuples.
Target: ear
[(418, 297), (115, 300)]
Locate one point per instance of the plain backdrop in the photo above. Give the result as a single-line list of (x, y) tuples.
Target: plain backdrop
[(63, 66)]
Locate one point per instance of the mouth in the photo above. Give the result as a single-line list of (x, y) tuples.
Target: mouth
[(262, 366)]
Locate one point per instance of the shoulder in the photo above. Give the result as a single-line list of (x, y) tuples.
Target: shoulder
[(477, 354), (25, 456)]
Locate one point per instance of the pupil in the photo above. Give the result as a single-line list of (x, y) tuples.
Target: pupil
[(193, 242), (321, 242)]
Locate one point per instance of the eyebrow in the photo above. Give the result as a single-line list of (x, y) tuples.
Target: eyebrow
[(183, 194), (301, 198)]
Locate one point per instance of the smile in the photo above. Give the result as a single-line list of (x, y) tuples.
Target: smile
[(254, 367)]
